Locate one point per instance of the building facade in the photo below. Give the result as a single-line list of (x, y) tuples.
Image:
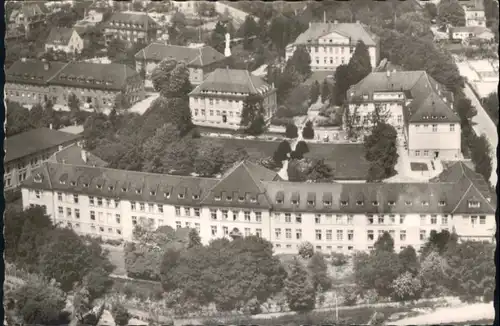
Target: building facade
[(331, 44), (64, 39), (200, 60), (218, 101), (415, 104), (30, 15), (28, 150), (467, 33), (132, 27), (96, 85), (474, 14), (251, 200)]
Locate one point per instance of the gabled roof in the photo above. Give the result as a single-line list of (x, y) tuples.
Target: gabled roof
[(59, 35), (32, 71), (140, 20), (34, 141), (354, 31), (73, 155), (232, 81), (198, 57), (427, 96)]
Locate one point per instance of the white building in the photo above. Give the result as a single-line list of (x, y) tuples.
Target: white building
[(416, 105), (331, 44), (186, 7), (474, 14), (64, 39), (250, 199), (471, 32), (218, 101)]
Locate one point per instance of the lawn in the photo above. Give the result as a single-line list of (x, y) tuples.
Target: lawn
[(257, 149), (416, 166), (117, 258)]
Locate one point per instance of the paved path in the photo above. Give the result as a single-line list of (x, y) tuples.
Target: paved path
[(484, 125), (142, 106)]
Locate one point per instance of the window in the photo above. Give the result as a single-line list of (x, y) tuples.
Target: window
[(425, 203), (350, 219), (392, 233), (369, 219), (213, 214), (392, 218), (160, 208), (247, 216), (433, 219), (60, 211), (359, 203), (408, 203), (258, 216), (343, 203), (426, 153), (178, 225), (329, 235), (151, 208), (401, 219), (391, 203), (197, 227), (177, 211), (224, 214), (317, 219), (277, 233), (298, 234), (298, 218), (187, 211), (108, 202), (434, 128), (444, 219), (91, 202), (225, 229), (417, 153), (474, 204), (423, 219), (117, 218), (452, 127), (77, 213), (340, 235), (473, 219), (327, 203), (92, 215), (402, 235), (99, 216), (197, 212), (318, 234), (482, 219), (132, 205), (422, 235), (339, 219), (350, 235), (375, 203), (288, 218), (288, 233), (370, 235), (68, 212), (258, 232), (59, 196), (134, 220), (380, 219), (142, 207)]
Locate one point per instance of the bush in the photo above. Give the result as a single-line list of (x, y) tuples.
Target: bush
[(339, 259), (281, 121), (308, 131), (306, 250), (291, 131)]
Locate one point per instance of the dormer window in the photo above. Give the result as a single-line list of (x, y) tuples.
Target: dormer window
[(391, 203), (229, 198), (474, 204), (166, 194), (85, 185), (73, 183), (217, 198), (279, 201), (359, 203), (327, 203), (241, 198), (181, 196), (253, 200), (99, 186), (408, 203), (152, 193), (195, 197), (344, 203), (425, 203), (375, 203), (63, 182), (138, 191), (295, 202), (310, 202), (124, 189), (442, 203), (38, 178)]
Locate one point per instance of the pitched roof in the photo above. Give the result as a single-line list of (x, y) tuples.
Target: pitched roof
[(34, 141), (140, 20), (73, 154), (354, 31), (476, 30), (59, 35), (232, 81), (32, 71), (33, 9), (199, 57), (426, 95)]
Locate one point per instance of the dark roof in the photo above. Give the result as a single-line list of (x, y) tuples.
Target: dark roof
[(354, 31), (73, 155), (470, 29), (248, 185), (34, 141), (199, 57), (59, 35), (139, 21), (32, 71), (427, 96), (232, 81)]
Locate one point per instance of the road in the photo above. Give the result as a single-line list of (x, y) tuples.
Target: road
[(484, 125)]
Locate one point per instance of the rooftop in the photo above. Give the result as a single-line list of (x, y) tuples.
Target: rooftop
[(75, 155), (199, 57), (133, 20), (34, 141), (470, 29), (59, 35), (354, 31), (248, 185)]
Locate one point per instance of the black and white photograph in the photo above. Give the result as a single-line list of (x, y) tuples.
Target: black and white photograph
[(265, 163)]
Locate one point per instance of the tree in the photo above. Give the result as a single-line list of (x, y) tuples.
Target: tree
[(121, 102), (325, 91), (306, 250), (319, 171), (381, 151), (39, 301), (319, 272), (481, 156), (169, 263), (218, 36), (431, 10), (73, 103), (174, 110), (252, 114), (300, 62), (359, 65), (96, 127), (491, 106), (451, 12), (291, 131), (248, 29), (434, 273), (409, 260), (81, 303), (300, 149), (438, 242), (282, 151), (117, 50), (465, 110), (314, 92), (120, 314), (341, 85), (384, 243), (299, 290), (209, 158), (406, 287), (308, 131), (194, 239)]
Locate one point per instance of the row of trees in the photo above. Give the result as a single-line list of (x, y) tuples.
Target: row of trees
[(444, 267), (65, 262)]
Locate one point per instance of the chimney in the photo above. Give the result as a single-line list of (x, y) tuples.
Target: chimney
[(84, 155)]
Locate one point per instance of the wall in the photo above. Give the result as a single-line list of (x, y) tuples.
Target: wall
[(27, 93), (447, 142)]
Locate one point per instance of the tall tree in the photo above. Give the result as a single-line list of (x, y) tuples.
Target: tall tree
[(341, 84), (481, 156), (120, 314), (299, 290), (308, 131), (381, 151), (248, 30), (252, 114), (314, 92), (194, 239), (282, 151), (326, 91), (409, 260), (209, 158), (319, 272), (359, 65), (291, 131), (300, 62), (384, 243), (451, 12), (218, 37), (491, 106)]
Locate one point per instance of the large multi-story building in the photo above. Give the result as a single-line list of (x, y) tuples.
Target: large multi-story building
[(415, 104), (96, 85), (31, 15), (331, 44), (474, 13), (200, 61), (26, 151), (218, 101), (131, 26), (250, 199), (64, 39)]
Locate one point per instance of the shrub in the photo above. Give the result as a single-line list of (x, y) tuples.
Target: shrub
[(306, 250), (308, 131), (291, 131), (339, 259)]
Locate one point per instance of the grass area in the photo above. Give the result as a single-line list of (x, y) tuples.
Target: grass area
[(257, 149), (117, 258), (138, 288), (416, 166)]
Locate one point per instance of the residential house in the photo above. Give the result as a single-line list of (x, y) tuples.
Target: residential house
[(218, 101), (251, 200), (64, 39), (331, 44), (415, 104), (471, 32), (188, 8), (30, 15), (96, 85), (200, 60), (26, 151), (474, 13), (131, 26)]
